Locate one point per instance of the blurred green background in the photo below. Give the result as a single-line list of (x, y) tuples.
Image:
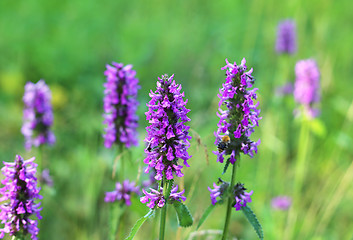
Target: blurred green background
[(68, 43)]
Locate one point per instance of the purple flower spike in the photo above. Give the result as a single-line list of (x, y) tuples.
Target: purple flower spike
[(37, 115), (122, 192), (18, 198), (167, 136), (307, 85), (286, 37), (120, 105), (237, 122), (241, 197), (155, 197), (281, 202)]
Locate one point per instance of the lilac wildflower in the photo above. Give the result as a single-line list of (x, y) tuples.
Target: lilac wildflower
[(167, 136), (307, 85), (37, 115), (156, 197), (281, 202), (120, 105), (122, 192), (218, 191), (241, 197), (221, 192), (19, 193), (242, 113), (286, 37)]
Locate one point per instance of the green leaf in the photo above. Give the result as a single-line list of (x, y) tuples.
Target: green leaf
[(205, 215), (250, 215), (138, 224), (226, 166), (184, 217)]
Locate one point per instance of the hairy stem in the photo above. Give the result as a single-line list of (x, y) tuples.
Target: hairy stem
[(229, 206)]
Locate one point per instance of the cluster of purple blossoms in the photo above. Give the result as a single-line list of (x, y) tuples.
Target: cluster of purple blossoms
[(307, 85), (281, 202), (167, 136), (238, 193), (120, 105), (156, 197), (122, 192), (286, 37), (19, 193), (241, 116), (218, 191), (37, 115)]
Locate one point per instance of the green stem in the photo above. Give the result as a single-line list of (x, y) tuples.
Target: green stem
[(229, 206), (164, 209)]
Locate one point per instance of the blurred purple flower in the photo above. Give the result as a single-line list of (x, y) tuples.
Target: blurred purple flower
[(156, 197), (18, 198), (307, 85), (281, 202), (122, 192), (46, 179), (286, 37), (37, 115), (120, 105), (167, 136), (241, 116), (286, 89)]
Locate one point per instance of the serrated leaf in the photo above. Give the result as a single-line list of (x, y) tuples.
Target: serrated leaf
[(184, 217), (138, 224), (205, 215), (250, 215), (226, 166)]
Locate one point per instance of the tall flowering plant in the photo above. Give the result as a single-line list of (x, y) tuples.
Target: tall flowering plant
[(239, 114), (37, 115), (120, 105), (121, 122), (166, 152), (18, 212)]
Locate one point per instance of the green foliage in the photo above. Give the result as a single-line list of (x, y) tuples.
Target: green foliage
[(184, 216), (138, 224), (226, 166), (205, 215), (250, 215)]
